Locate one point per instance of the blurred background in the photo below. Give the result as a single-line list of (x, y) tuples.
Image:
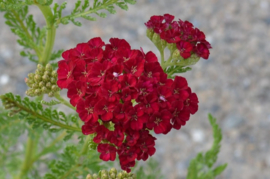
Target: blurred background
[(233, 84)]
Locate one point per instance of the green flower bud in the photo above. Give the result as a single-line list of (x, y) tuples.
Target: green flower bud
[(45, 78), (41, 84), (30, 92), (104, 176), (37, 92), (26, 80), (55, 88), (112, 175), (37, 77), (40, 67), (104, 172), (53, 80), (38, 72), (54, 74), (120, 175), (132, 175), (44, 89), (31, 76), (48, 68), (89, 176), (176, 54), (30, 83), (47, 73), (48, 85), (113, 171), (51, 94), (35, 86), (95, 176)]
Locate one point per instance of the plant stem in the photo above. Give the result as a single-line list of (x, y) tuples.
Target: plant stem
[(85, 145), (162, 58), (51, 30), (45, 150), (28, 156), (63, 101)]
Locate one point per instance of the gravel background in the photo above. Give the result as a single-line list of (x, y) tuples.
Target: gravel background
[(233, 84)]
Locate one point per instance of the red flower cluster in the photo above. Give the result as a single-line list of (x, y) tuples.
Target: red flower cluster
[(114, 84), (187, 39)]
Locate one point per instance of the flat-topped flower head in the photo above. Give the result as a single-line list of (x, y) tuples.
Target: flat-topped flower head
[(189, 40), (121, 93)]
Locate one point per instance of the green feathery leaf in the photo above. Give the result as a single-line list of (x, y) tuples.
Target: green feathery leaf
[(83, 9), (9, 5), (176, 69), (36, 116), (30, 36), (11, 128), (74, 163), (149, 170), (50, 103), (201, 167)]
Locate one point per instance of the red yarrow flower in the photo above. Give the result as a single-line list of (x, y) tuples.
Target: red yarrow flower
[(107, 151), (160, 122), (85, 108), (185, 49), (189, 40), (121, 94)]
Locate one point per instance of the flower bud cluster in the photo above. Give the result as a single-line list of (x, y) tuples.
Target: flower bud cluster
[(181, 38), (43, 81), (121, 94), (111, 174)]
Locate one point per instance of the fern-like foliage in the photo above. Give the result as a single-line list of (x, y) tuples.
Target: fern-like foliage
[(12, 148), (11, 128), (201, 167), (34, 113), (150, 170), (56, 54), (176, 69), (50, 103), (30, 36), (73, 163), (83, 9), (9, 5)]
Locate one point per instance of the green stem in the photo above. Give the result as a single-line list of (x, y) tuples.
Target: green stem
[(45, 150), (162, 58), (63, 101), (85, 145), (27, 160), (51, 30)]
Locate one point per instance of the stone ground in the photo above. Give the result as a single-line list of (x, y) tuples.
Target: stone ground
[(233, 84)]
